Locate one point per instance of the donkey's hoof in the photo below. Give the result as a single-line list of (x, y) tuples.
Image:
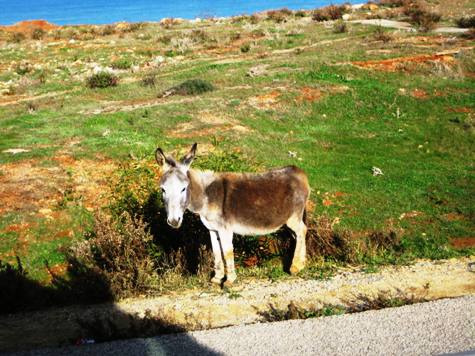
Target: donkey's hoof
[(228, 284), (216, 280), (295, 269)]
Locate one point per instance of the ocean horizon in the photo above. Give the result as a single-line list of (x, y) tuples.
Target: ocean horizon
[(96, 12)]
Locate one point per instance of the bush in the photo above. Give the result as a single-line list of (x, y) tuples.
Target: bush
[(300, 13), (38, 34), (392, 3), (331, 12), (102, 80), (120, 250), (191, 87), (17, 37), (149, 80), (279, 15), (418, 14), (466, 22), (107, 30), (123, 64), (381, 35), (245, 48), (340, 27)]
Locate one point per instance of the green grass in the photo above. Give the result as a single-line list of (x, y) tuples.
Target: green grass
[(364, 118)]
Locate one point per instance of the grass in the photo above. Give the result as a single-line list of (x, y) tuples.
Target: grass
[(353, 119)]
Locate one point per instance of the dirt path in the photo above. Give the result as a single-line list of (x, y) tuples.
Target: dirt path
[(247, 303)]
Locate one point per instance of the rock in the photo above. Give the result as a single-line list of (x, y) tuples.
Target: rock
[(15, 151)]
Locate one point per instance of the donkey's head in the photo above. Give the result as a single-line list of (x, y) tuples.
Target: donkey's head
[(174, 184)]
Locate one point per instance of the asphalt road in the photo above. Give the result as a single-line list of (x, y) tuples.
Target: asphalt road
[(440, 327)]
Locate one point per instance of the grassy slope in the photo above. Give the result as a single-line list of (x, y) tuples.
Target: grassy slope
[(364, 118)]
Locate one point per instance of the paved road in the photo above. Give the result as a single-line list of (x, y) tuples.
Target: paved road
[(444, 326)]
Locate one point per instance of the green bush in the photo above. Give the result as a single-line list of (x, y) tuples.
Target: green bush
[(123, 63), (102, 80), (245, 48), (192, 87)]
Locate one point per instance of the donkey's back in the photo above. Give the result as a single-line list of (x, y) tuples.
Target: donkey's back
[(259, 203)]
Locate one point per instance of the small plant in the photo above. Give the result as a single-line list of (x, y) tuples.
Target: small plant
[(340, 27), (331, 12), (381, 35), (23, 68), (17, 37), (150, 80), (300, 13), (107, 30), (190, 87), (245, 47), (199, 36), (466, 22), (118, 249), (420, 16), (38, 34), (279, 15), (102, 80), (123, 64)]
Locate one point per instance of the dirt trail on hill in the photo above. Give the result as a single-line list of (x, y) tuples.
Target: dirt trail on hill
[(248, 302)]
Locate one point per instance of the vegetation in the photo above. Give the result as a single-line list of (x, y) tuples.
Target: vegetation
[(466, 22), (331, 12), (102, 80), (329, 103)]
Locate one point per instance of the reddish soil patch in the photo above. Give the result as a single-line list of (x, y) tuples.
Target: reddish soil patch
[(265, 101), (395, 64), (309, 94), (27, 186), (462, 110), (419, 94), (463, 242), (27, 27)]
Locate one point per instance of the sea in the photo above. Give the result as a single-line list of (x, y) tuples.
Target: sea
[(76, 12)]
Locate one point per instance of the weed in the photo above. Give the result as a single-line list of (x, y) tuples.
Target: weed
[(245, 47), (295, 312), (38, 34), (102, 80), (150, 80), (466, 22), (123, 63)]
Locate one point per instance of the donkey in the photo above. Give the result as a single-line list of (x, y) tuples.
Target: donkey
[(241, 203)]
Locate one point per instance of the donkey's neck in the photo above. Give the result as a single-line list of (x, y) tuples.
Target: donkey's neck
[(199, 180)]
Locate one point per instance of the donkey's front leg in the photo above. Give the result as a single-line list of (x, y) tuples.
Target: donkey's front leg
[(218, 258), (226, 238)]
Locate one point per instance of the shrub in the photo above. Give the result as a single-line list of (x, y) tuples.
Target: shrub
[(278, 15), (199, 36), (392, 3), (466, 22), (191, 87), (340, 27), (331, 12), (102, 80), (300, 13), (381, 35), (17, 37), (38, 34), (420, 16), (245, 48), (470, 34), (107, 30), (123, 63), (149, 80), (120, 250)]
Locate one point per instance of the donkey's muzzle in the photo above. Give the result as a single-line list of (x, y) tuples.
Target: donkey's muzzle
[(174, 223)]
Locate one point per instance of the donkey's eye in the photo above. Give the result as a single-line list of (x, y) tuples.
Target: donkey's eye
[(163, 191), (183, 190)]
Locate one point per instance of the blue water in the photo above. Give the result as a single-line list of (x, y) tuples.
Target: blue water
[(73, 12)]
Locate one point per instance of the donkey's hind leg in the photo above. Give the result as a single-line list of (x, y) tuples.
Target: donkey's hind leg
[(296, 224)]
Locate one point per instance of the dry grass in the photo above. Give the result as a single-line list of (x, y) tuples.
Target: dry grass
[(421, 16)]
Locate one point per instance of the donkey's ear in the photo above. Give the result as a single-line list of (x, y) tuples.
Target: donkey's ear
[(190, 156), (163, 160)]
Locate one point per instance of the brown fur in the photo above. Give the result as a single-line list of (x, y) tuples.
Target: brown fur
[(259, 200)]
